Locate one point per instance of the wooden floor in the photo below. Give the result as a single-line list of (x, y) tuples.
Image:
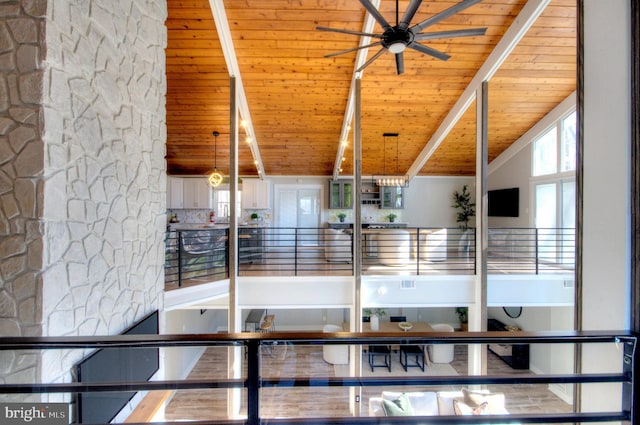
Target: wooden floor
[(307, 361)]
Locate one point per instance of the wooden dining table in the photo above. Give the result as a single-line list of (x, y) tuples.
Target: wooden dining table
[(393, 327)]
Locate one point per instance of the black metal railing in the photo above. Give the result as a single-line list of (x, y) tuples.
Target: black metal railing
[(259, 377), (196, 256), (298, 251), (202, 254)]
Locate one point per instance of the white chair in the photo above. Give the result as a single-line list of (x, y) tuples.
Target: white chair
[(441, 353), (394, 247), (335, 354), (337, 245), (434, 246)]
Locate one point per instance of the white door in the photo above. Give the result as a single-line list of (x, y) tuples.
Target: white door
[(298, 214)]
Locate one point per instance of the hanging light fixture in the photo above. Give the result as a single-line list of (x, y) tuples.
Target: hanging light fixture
[(396, 179), (215, 178)]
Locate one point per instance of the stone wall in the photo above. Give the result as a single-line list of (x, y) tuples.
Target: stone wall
[(82, 172), (21, 170), (105, 184)]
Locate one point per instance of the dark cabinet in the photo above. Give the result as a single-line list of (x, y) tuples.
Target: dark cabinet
[(515, 355), (340, 194), (250, 241), (391, 197)]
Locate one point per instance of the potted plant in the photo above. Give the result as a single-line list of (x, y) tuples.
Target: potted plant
[(341, 217), (466, 208), (375, 314), (463, 316), (255, 216), (391, 217)]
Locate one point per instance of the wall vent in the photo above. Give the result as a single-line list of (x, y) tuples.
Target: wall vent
[(408, 284)]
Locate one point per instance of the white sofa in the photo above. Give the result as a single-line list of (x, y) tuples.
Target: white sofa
[(446, 403)]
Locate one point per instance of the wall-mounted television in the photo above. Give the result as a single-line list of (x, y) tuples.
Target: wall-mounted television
[(504, 202), (116, 365)]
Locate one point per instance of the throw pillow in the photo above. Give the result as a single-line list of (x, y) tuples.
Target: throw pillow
[(495, 401), (398, 407), (463, 409)]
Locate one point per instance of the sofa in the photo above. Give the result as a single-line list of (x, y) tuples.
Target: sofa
[(446, 403)]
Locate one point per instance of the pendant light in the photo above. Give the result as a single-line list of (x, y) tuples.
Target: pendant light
[(215, 178), (393, 180)]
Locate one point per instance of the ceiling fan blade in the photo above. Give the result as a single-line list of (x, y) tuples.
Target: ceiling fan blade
[(330, 55), (409, 14), (429, 51), (374, 57), (443, 15), (376, 14), (399, 63), (449, 34), (341, 31)]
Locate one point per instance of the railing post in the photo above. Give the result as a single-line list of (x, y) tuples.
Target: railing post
[(179, 258), (253, 382), (537, 249), (418, 250), (295, 252)]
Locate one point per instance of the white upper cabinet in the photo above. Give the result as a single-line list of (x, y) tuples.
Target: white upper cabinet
[(255, 194), (174, 193), (188, 193), (197, 193)]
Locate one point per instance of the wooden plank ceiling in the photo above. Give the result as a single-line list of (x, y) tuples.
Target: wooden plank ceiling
[(297, 98)]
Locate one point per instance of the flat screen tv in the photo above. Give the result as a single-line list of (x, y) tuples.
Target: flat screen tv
[(504, 202), (116, 365)]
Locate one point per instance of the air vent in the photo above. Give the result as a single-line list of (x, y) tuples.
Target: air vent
[(408, 284)]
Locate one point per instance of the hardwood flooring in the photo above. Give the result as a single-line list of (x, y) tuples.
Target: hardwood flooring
[(307, 361)]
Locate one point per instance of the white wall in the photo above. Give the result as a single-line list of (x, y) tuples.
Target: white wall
[(428, 200), (606, 221), (514, 173), (177, 362)]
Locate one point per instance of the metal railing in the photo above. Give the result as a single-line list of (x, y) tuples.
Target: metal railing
[(257, 380), (196, 255), (283, 251)]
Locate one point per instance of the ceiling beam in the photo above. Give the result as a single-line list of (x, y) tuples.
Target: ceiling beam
[(525, 19), (361, 58), (224, 34)]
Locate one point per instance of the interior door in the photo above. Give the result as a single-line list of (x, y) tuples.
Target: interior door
[(299, 211)]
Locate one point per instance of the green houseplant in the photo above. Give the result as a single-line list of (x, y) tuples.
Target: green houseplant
[(254, 216), (466, 208), (391, 217), (374, 314), (463, 316), (341, 216)]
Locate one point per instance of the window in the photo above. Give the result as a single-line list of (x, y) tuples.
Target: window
[(555, 150), (554, 189), (223, 205)]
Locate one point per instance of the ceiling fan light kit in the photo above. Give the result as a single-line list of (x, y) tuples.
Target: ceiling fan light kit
[(401, 36)]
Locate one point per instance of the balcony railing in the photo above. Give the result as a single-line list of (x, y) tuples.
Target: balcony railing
[(256, 402), (201, 255)]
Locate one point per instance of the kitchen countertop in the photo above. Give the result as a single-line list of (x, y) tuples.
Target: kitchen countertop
[(200, 226)]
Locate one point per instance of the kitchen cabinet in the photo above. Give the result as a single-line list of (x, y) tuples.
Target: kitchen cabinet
[(174, 193), (196, 193), (340, 194), (391, 197), (255, 194)]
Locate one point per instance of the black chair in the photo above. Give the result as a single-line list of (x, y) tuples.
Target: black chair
[(412, 350), (397, 318), (380, 351)]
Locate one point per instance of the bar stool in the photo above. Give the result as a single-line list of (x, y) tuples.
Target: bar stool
[(413, 350)]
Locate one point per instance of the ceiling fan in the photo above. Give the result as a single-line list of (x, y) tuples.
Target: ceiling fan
[(397, 38)]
